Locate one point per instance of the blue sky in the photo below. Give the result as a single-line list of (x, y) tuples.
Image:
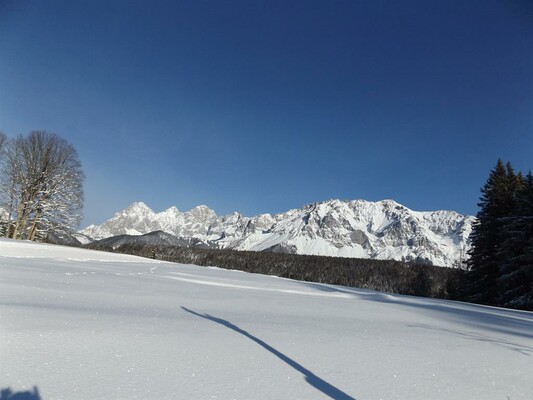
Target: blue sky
[(263, 106)]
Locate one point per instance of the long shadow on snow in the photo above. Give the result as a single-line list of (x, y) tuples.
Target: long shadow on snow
[(492, 319), (318, 383)]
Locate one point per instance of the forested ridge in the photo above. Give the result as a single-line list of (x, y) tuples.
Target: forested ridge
[(383, 275)]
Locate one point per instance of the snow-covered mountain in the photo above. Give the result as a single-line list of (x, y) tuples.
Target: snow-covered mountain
[(358, 228)]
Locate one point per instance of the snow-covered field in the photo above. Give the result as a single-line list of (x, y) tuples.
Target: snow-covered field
[(80, 324)]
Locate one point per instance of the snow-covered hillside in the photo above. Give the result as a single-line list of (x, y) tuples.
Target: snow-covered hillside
[(80, 324), (381, 230)]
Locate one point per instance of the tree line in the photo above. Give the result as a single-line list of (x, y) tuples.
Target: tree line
[(500, 267), (41, 183), (384, 275)]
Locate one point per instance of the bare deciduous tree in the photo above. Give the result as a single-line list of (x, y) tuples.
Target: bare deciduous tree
[(3, 140), (42, 186)]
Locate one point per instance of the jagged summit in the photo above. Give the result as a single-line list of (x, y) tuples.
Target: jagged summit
[(171, 210), (138, 206), (202, 212), (348, 228)]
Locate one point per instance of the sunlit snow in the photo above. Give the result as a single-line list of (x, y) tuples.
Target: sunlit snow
[(79, 324)]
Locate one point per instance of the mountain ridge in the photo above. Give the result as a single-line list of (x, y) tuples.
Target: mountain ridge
[(347, 228)]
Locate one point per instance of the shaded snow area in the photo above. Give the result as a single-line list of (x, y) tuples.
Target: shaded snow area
[(79, 324)]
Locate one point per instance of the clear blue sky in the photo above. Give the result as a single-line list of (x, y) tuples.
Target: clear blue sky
[(263, 106)]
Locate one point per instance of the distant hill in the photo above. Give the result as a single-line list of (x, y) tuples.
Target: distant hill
[(152, 238)]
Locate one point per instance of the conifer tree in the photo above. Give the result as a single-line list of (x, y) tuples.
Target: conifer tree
[(500, 268), (516, 269), (483, 267)]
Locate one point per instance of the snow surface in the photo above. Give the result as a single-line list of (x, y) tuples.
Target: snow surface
[(80, 324)]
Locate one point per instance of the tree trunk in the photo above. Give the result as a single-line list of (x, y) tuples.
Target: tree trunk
[(33, 229), (18, 221)]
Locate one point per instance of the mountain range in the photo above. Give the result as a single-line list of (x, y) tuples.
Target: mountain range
[(357, 228)]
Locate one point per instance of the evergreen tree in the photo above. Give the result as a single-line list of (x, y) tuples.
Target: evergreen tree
[(500, 267), (516, 269), (497, 202)]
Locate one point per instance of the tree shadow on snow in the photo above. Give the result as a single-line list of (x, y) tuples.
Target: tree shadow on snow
[(492, 319), (8, 394), (522, 349), (318, 383), (489, 319)]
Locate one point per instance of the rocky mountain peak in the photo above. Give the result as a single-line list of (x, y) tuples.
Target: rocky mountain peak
[(171, 211), (138, 207), (201, 210), (357, 228)]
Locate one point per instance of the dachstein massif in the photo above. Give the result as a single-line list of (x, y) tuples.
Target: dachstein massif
[(362, 229)]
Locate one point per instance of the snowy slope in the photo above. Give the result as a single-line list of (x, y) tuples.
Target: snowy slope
[(382, 230), (80, 324)]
